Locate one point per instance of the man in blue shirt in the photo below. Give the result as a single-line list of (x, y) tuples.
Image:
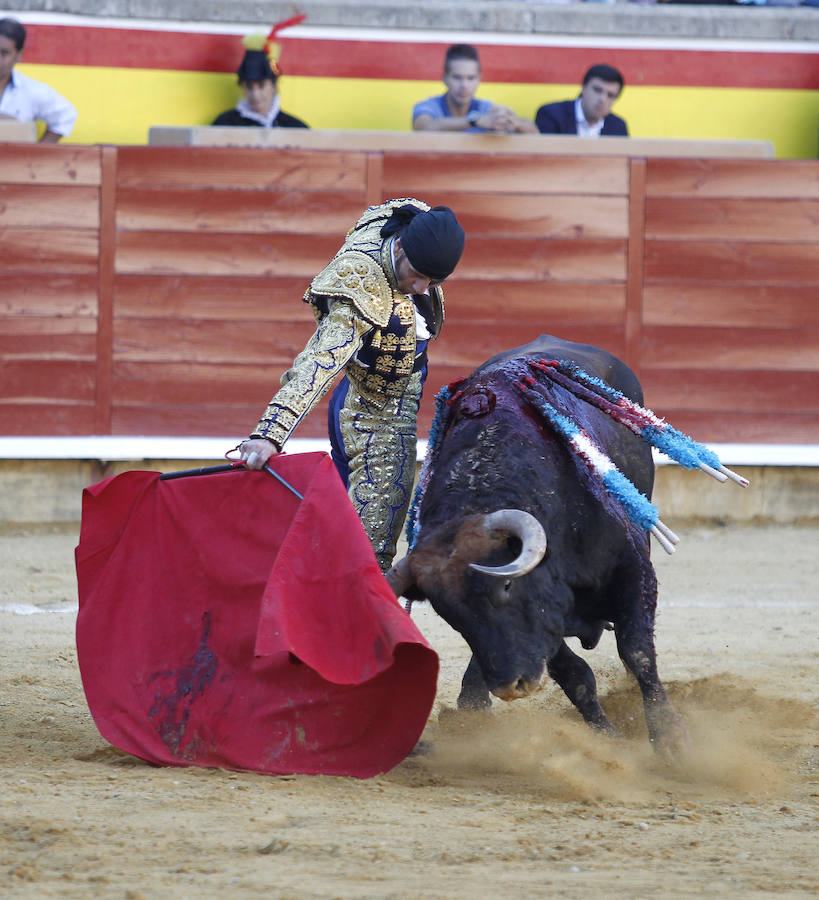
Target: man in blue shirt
[(457, 109)]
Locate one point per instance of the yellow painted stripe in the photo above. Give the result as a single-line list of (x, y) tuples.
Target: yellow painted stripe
[(119, 106)]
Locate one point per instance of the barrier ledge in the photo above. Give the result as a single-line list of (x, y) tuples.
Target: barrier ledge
[(545, 144), (14, 132), (42, 478), (112, 448)]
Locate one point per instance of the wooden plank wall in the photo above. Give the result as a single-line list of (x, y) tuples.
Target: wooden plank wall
[(214, 251), (730, 343), (152, 290), (49, 265)]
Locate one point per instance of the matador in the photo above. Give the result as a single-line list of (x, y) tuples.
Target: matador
[(376, 304)]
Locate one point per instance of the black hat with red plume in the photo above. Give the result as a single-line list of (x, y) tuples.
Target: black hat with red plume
[(261, 59)]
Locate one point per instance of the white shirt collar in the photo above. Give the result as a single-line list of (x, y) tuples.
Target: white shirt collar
[(583, 127), (267, 120)]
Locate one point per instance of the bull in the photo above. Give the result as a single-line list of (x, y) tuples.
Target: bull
[(518, 549)]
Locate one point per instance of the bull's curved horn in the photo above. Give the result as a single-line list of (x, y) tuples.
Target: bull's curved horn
[(531, 533), (400, 577)]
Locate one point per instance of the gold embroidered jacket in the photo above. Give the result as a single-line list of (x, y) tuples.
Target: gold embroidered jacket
[(364, 324)]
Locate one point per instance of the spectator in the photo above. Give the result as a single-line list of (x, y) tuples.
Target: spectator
[(25, 99), (457, 109), (590, 114), (377, 304), (260, 106)]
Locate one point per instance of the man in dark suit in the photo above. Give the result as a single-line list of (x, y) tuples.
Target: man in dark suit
[(590, 114)]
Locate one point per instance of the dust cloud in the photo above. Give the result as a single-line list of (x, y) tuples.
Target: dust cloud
[(743, 745)]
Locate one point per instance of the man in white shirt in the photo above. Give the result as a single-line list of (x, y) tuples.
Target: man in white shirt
[(25, 99)]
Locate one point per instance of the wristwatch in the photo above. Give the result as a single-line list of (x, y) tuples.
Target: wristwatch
[(472, 117)]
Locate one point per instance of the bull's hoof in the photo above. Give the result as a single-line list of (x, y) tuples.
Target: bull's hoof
[(474, 701), (604, 726), (669, 734)]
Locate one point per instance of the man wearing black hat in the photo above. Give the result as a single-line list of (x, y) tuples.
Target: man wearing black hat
[(260, 106), (377, 304)]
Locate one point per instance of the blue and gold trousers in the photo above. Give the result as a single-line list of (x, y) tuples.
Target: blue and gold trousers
[(373, 446)]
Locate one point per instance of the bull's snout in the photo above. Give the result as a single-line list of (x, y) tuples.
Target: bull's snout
[(523, 687)]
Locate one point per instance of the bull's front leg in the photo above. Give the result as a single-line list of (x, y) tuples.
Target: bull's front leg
[(474, 692), (573, 674), (634, 631)]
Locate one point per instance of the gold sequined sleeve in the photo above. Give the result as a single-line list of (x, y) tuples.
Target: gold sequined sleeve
[(338, 337)]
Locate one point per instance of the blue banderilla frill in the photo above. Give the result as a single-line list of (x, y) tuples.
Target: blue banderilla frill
[(690, 454), (637, 506)]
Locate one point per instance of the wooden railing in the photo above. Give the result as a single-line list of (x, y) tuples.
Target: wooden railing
[(156, 290)]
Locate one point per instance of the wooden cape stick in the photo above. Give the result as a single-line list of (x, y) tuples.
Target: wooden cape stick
[(226, 467)]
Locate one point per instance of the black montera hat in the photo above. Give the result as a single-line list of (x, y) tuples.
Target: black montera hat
[(433, 242), (261, 59), (255, 66)]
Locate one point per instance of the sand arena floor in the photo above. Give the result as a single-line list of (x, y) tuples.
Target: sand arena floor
[(523, 801)]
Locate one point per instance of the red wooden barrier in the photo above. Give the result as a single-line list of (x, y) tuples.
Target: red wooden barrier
[(150, 290), (730, 344)]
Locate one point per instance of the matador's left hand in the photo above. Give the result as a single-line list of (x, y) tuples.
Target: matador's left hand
[(255, 452)]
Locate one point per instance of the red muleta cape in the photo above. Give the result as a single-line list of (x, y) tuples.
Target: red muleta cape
[(224, 622)]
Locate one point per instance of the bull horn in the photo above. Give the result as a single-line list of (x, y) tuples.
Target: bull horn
[(531, 533), (400, 577)]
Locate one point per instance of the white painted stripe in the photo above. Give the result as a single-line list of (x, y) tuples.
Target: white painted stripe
[(739, 604), (125, 447), (435, 37), (26, 609), (44, 18)]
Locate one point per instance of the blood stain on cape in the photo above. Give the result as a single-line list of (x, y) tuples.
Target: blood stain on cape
[(172, 709)]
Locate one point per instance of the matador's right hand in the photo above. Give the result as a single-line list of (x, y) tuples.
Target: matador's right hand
[(255, 452)]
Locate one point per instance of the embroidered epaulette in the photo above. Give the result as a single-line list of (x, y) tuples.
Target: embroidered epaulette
[(379, 214), (360, 279)]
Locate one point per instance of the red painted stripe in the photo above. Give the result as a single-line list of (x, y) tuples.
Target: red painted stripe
[(132, 48), (188, 51)]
